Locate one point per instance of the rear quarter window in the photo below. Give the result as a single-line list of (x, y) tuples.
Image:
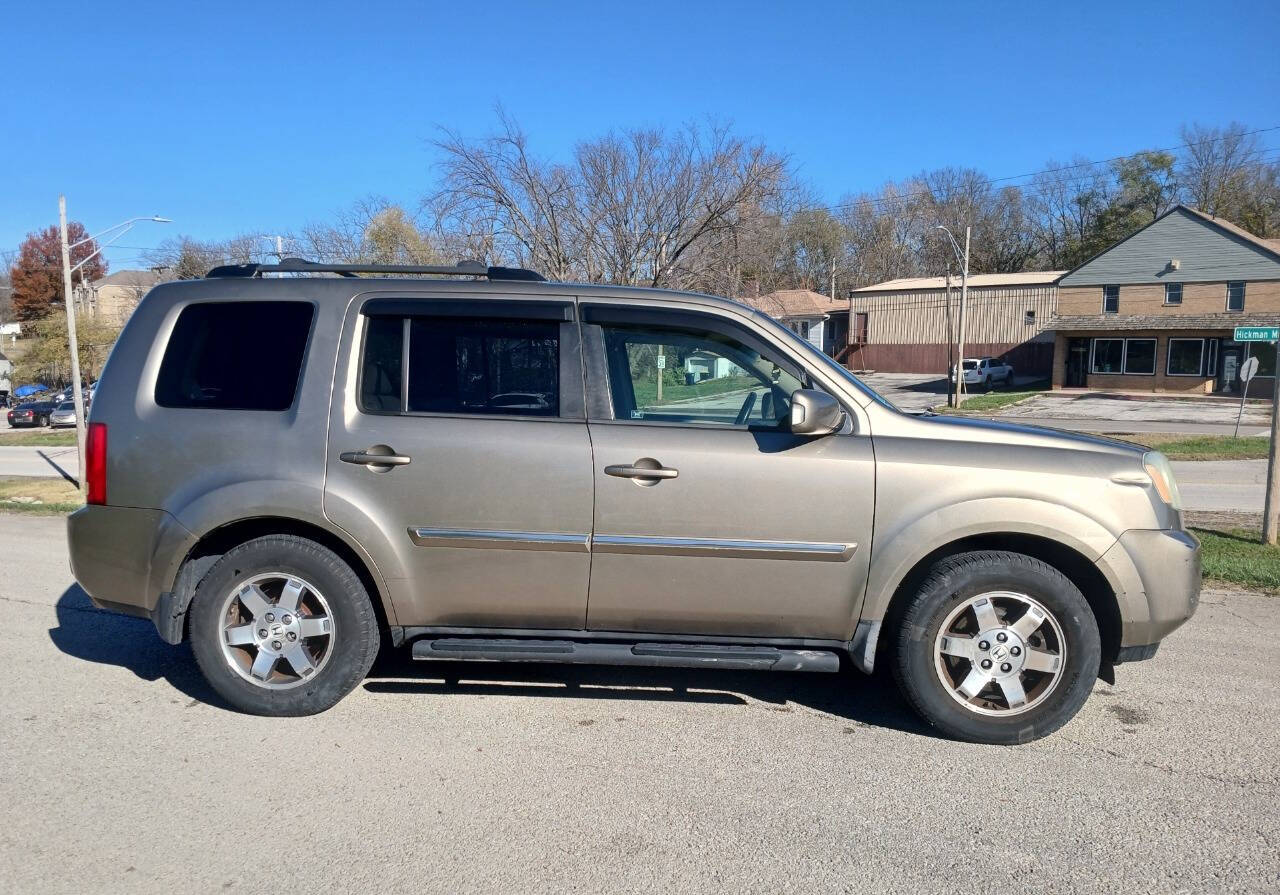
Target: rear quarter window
[(244, 355)]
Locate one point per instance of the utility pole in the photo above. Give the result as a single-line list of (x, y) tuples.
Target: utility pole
[(964, 297), (1269, 521), (76, 395), (953, 369)]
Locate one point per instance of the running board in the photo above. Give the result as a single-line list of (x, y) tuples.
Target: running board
[(666, 655)]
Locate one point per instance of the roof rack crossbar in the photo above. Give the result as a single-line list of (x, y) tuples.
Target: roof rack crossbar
[(301, 265)]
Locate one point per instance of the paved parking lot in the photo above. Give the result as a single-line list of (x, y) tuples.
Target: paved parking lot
[(120, 772)]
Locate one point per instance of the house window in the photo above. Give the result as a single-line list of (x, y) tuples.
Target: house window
[(1140, 357), (1110, 299), (1235, 296), (1135, 357), (1185, 357), (804, 329), (1211, 367), (1108, 356), (1029, 318), (1173, 293)]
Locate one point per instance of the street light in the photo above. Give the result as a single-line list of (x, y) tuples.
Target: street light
[(77, 395), (963, 259)]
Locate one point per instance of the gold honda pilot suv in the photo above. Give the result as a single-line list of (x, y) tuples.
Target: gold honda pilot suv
[(477, 464)]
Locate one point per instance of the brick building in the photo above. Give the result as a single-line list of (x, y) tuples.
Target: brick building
[(1157, 311)]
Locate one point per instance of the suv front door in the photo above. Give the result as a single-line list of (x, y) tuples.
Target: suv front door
[(743, 529), (483, 508)]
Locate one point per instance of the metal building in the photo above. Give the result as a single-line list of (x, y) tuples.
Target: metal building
[(910, 325)]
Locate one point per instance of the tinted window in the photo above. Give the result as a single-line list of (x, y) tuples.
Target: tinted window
[(382, 372), (235, 355), (1184, 357), (463, 365), (1108, 355), (693, 376), (1140, 356)]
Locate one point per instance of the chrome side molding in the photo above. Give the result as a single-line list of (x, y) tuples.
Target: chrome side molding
[(814, 551), (726, 548), (501, 540)]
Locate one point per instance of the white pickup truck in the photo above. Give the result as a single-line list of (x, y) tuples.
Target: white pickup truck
[(983, 372)]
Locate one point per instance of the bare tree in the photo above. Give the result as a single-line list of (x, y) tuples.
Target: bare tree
[(632, 207), (1216, 164)]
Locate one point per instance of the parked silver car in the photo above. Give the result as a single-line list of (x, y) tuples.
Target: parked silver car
[(63, 415), (287, 469)]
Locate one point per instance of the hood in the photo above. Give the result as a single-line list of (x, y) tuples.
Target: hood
[(963, 428)]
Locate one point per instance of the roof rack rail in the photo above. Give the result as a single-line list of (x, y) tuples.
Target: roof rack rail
[(301, 265)]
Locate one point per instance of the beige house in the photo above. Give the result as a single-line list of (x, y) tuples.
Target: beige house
[(116, 295), (820, 320), (1158, 310)]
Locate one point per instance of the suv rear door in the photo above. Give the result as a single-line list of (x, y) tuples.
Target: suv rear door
[(743, 528), (487, 519)]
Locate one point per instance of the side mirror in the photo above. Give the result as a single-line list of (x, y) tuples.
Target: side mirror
[(815, 413)]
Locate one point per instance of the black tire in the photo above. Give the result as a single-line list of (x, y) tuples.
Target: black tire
[(355, 639), (956, 579), (44, 421)]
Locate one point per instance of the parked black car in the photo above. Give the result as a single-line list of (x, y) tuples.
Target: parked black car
[(32, 413)]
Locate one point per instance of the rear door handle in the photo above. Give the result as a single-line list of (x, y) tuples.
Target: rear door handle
[(642, 472), (364, 458)]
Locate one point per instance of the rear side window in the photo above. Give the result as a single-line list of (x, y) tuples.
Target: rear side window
[(235, 355), (461, 365)]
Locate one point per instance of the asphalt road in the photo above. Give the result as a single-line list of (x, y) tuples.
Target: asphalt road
[(120, 772)]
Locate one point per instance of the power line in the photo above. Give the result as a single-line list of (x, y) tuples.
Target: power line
[(1090, 164)]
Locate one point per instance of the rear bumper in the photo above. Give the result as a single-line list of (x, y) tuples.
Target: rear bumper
[(1159, 573), (125, 557)]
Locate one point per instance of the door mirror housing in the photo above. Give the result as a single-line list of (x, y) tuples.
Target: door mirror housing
[(815, 413)]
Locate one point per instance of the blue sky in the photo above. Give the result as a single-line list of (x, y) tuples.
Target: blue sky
[(234, 118)]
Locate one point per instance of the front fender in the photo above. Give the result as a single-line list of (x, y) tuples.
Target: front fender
[(897, 551)]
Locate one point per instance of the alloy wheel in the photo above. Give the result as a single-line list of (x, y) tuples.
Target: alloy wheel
[(277, 630), (1000, 653)]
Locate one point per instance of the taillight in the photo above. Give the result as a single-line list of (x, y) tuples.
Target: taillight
[(95, 464)]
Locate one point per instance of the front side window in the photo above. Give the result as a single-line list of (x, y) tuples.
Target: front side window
[(694, 376), (241, 355), (1235, 296), (1140, 356), (1108, 356), (1185, 357), (461, 365), (1110, 299), (1173, 293)]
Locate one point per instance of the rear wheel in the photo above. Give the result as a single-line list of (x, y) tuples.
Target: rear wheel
[(280, 625), (997, 647)]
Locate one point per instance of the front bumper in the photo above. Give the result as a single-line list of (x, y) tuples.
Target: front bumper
[(1159, 577), (126, 557)]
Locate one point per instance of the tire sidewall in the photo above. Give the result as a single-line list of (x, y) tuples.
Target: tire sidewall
[(355, 630), (983, 573)]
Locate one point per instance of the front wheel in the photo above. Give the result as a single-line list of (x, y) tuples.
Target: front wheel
[(280, 625), (997, 647)]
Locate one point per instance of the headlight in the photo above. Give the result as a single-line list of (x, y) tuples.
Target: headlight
[(1157, 466)]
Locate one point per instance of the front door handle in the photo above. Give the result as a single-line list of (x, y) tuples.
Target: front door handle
[(365, 458), (642, 472)]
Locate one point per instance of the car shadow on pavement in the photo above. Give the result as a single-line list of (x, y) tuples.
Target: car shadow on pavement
[(97, 635), (847, 695)]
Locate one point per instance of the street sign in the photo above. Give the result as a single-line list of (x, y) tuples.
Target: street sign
[(1257, 333), (1249, 370), (662, 361)]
